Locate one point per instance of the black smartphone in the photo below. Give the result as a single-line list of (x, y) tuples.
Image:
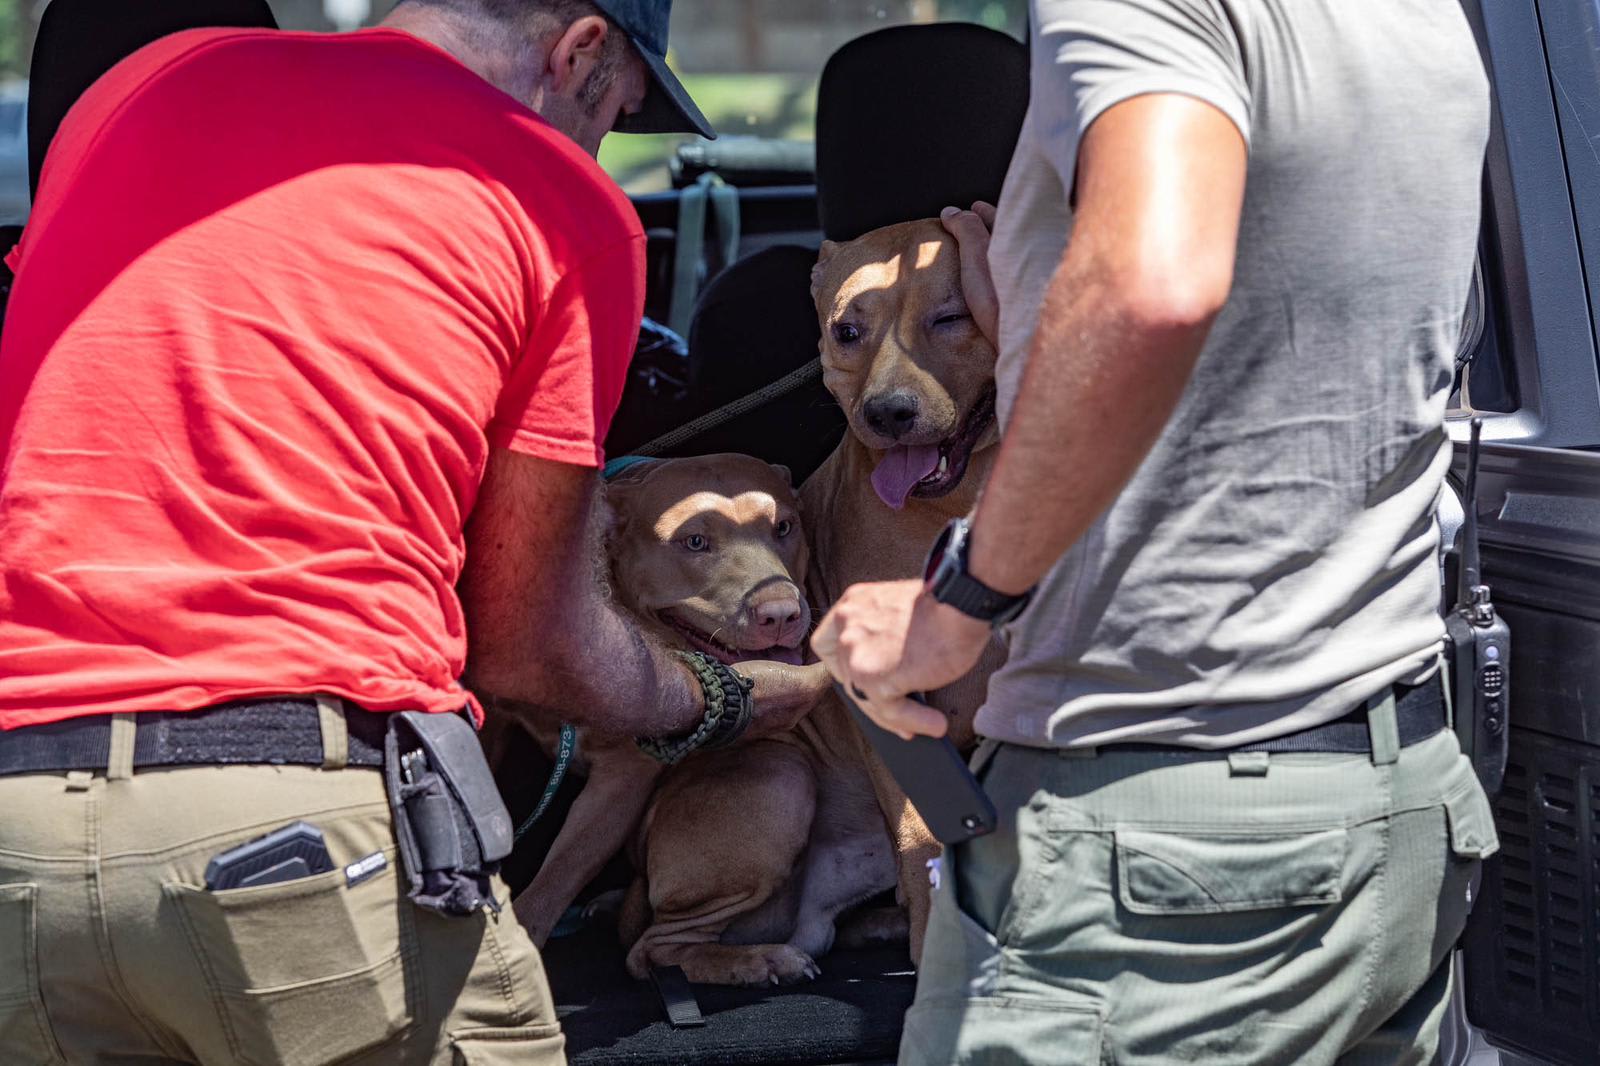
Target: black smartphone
[(287, 854), (935, 778)]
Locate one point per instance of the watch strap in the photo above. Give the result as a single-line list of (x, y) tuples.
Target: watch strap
[(952, 584)]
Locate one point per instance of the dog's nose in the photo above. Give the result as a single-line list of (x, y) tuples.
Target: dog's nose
[(778, 614), (892, 415)]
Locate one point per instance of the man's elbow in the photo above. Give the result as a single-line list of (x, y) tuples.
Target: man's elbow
[(1170, 293), (1174, 300)]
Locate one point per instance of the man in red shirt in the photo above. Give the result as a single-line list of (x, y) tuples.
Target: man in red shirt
[(306, 330)]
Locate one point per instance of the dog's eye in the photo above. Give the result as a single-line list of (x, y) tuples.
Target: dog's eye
[(784, 528), (696, 543), (945, 320), (845, 333)]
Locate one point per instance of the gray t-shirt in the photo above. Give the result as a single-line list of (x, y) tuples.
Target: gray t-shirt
[(1272, 562)]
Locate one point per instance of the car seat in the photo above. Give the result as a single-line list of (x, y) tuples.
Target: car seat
[(78, 41), (909, 119)]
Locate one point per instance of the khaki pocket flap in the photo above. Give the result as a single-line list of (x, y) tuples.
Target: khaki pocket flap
[(1472, 832), (527, 1045), (1211, 872)]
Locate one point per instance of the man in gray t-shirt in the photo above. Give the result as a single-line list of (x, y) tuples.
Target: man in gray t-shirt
[(1231, 260)]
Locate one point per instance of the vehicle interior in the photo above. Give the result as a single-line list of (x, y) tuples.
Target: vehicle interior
[(910, 119)]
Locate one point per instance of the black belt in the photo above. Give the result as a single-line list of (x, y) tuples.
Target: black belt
[(285, 730), (1419, 714)]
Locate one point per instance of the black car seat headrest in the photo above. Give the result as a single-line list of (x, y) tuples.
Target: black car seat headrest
[(915, 118), (79, 40), (754, 324)]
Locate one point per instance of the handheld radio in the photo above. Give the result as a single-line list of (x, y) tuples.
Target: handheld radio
[(1478, 650)]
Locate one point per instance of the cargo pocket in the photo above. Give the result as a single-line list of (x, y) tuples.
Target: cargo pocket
[(24, 1030), (1002, 1031), (527, 1045), (958, 950), (1222, 872), (305, 972), (1472, 832)]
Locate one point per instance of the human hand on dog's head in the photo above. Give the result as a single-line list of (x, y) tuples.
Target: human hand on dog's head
[(783, 694), (971, 230)]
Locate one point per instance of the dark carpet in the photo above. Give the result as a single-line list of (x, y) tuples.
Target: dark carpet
[(851, 1014)]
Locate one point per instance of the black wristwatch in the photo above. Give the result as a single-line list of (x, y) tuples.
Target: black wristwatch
[(950, 583)]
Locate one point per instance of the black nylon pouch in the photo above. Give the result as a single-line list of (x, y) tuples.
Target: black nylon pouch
[(451, 824)]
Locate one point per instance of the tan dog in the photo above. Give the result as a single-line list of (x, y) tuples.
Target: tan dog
[(915, 377), (707, 554), (749, 856)]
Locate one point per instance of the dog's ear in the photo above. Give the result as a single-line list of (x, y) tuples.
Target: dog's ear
[(612, 503), (608, 513), (824, 254), (636, 470)]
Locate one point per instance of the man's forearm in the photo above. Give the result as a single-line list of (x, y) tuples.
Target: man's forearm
[(1160, 183), (542, 629), (594, 675), (1104, 374)]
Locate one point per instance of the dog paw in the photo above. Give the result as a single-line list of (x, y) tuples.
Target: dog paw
[(790, 965), (774, 965)]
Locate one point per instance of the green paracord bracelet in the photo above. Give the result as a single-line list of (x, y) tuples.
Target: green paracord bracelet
[(729, 709)]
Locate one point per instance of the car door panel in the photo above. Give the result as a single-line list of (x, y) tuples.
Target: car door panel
[(1532, 974)]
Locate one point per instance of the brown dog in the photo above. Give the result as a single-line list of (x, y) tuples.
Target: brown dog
[(915, 377), (707, 554), (749, 856)]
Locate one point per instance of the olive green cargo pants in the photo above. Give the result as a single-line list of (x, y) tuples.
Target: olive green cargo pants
[(112, 951), (1141, 908)]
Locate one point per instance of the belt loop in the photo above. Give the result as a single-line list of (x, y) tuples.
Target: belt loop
[(335, 733), (1384, 728), (119, 763), (1249, 763)]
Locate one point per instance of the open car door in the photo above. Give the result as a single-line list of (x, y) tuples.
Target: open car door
[(1532, 948)]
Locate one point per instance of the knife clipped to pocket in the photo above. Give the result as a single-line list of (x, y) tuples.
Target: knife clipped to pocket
[(934, 777)]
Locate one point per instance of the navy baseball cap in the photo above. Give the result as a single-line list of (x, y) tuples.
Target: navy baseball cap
[(667, 107)]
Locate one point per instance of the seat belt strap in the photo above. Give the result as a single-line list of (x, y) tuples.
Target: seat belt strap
[(677, 997), (725, 214), (690, 240)]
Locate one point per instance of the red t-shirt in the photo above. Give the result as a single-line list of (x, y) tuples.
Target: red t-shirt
[(280, 295)]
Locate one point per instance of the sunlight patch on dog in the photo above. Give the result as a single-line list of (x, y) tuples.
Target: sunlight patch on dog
[(741, 509)]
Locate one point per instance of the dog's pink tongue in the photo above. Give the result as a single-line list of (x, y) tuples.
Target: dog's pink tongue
[(900, 469)]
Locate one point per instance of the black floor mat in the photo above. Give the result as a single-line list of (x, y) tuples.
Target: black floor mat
[(851, 1014)]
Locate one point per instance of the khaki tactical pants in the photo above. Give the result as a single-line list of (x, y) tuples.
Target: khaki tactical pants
[(1142, 908), (111, 949)]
